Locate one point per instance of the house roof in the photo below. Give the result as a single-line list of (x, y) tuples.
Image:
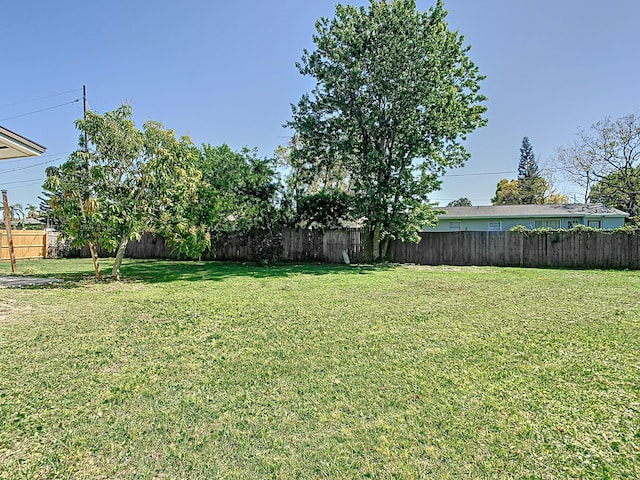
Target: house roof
[(13, 146), (519, 211), (24, 221)]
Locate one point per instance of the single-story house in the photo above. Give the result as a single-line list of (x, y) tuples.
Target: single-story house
[(13, 146), (25, 224), (501, 218)]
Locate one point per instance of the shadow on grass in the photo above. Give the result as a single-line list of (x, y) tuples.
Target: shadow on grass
[(75, 272), (160, 271)]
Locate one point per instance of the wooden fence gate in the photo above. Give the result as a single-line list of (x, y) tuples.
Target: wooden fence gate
[(26, 244)]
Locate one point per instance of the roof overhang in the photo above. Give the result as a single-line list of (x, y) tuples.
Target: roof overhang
[(13, 146), (591, 210), (532, 215)]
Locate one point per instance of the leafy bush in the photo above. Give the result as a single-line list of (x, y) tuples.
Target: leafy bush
[(543, 230), (585, 228), (628, 229)]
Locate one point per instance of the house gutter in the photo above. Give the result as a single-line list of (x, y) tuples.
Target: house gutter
[(23, 146)]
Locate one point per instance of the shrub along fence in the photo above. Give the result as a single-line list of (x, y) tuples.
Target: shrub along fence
[(577, 249)]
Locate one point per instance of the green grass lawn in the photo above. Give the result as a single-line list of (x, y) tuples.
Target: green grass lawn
[(209, 370)]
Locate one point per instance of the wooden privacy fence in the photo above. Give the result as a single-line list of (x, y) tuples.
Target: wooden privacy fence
[(295, 245), (290, 245), (26, 244), (552, 249)]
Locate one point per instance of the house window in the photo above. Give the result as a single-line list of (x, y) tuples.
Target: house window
[(547, 224), (495, 226), (594, 223), (572, 222), (454, 226)]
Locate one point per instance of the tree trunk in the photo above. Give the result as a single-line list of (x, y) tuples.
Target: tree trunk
[(96, 261), (375, 243), (384, 248), (115, 273)]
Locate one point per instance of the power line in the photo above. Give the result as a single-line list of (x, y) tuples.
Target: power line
[(75, 90), (549, 169), (42, 110), (478, 174), (452, 199), (27, 185), (25, 181), (17, 169)]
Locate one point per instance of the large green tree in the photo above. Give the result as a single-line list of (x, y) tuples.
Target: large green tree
[(239, 190), (316, 194), (507, 193), (619, 189), (126, 182), (395, 94)]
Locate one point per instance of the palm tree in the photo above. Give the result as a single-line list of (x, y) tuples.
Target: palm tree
[(17, 213), (32, 211)]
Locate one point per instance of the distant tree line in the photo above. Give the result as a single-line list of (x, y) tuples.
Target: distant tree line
[(605, 162)]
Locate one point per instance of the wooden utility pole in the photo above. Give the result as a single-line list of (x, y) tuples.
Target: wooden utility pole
[(85, 107), (92, 246), (7, 224)]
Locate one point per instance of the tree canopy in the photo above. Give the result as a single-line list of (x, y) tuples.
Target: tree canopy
[(507, 193), (126, 182), (239, 190), (460, 202), (129, 181), (619, 189), (604, 161), (395, 94)]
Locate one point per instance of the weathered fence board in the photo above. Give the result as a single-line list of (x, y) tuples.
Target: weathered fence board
[(553, 249)]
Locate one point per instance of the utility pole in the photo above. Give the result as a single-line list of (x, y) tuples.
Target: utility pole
[(85, 107), (92, 246), (7, 224), (586, 189)]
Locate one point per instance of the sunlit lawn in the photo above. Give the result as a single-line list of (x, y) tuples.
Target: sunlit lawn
[(209, 370)]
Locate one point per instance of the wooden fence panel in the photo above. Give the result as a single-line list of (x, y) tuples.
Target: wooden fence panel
[(633, 250), (26, 244), (149, 246), (553, 249)]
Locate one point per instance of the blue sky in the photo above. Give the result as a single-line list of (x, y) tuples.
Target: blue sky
[(224, 72)]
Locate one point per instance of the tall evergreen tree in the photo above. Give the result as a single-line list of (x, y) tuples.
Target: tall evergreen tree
[(531, 183)]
